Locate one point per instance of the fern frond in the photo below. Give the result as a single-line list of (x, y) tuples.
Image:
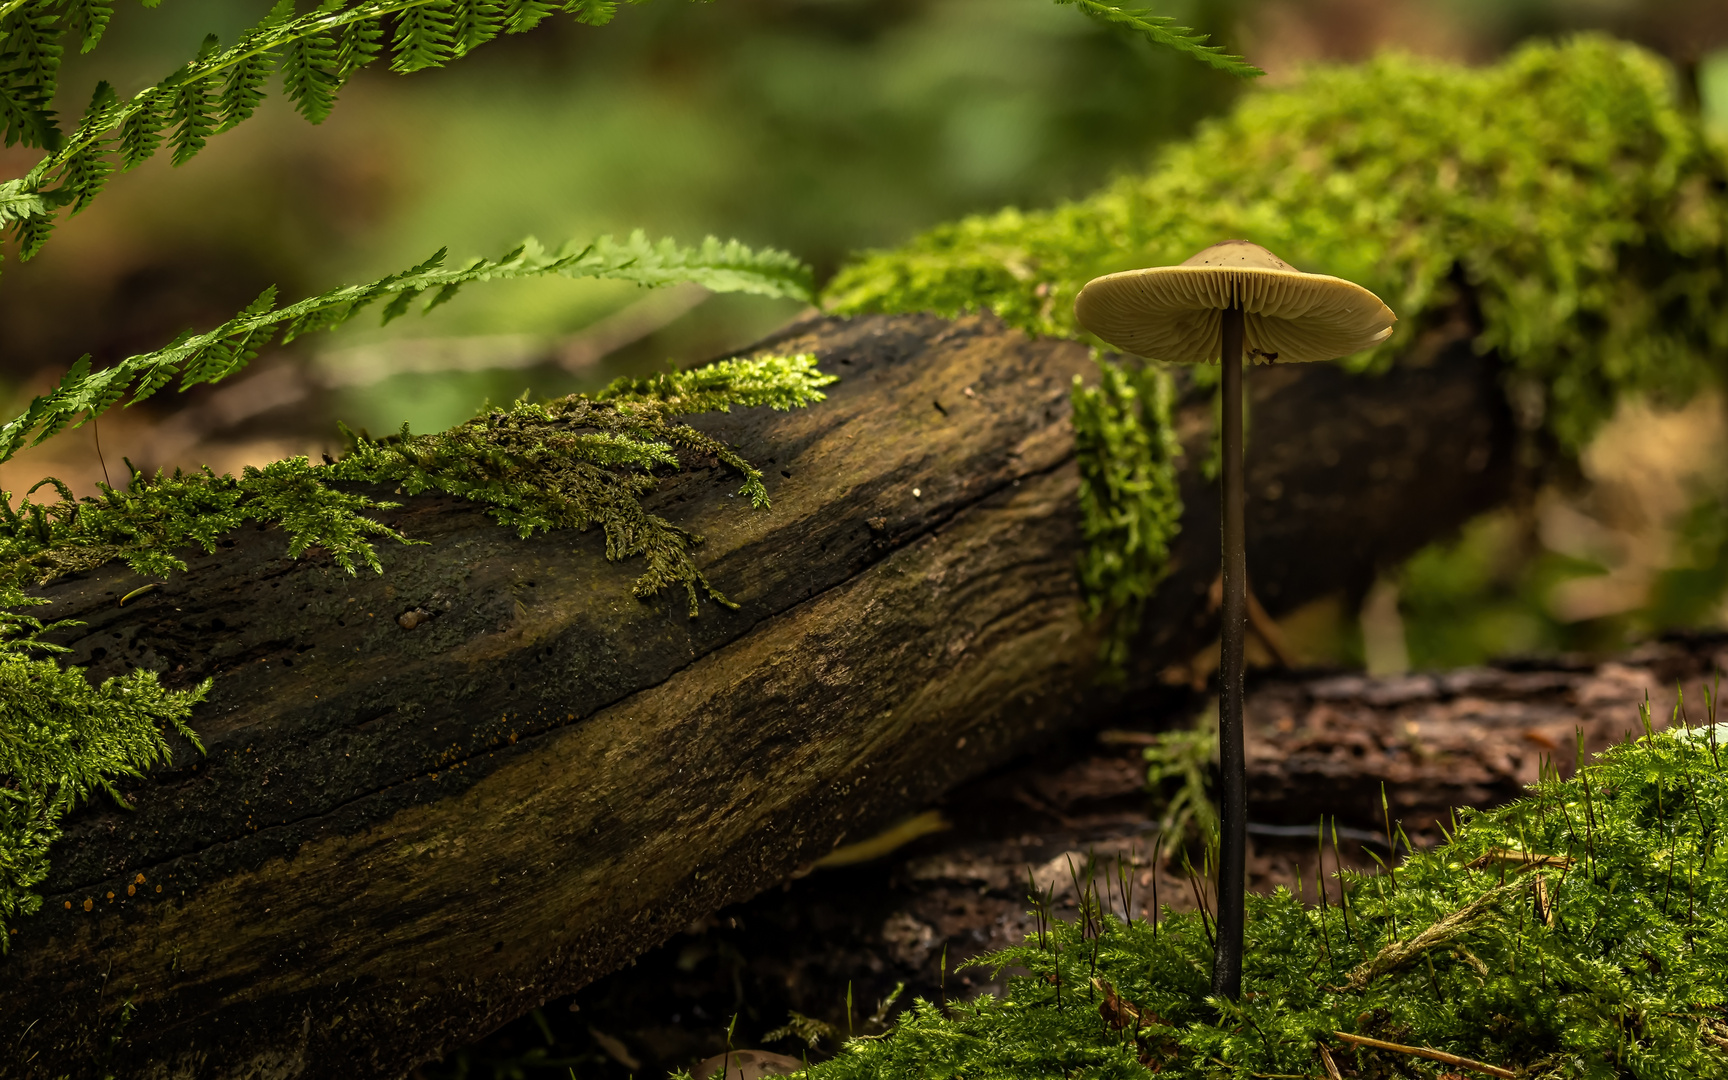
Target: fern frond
[(197, 358), (29, 71), (473, 24), (521, 16), (192, 112), (360, 45), (1161, 30), (309, 74), (33, 233), (244, 89), (423, 38), (593, 12), (141, 127), (87, 20), (18, 202)]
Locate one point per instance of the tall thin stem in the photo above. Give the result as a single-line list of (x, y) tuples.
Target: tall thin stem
[(1233, 786)]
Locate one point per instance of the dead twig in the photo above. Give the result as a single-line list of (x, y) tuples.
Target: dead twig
[(1424, 1052), (1398, 953), (1522, 860)]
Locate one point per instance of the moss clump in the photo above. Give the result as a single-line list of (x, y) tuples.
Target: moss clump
[(1130, 509), (577, 462), (1578, 932), (61, 740), (1585, 210), (582, 461)]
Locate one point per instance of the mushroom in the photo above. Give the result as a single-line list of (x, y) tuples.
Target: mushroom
[(745, 1065), (1232, 297)]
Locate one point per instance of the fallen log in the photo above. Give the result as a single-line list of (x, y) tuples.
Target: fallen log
[(406, 831)]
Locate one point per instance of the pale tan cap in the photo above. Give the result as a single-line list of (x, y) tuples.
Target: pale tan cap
[(1173, 312)]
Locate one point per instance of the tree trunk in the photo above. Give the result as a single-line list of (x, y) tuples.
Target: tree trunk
[(400, 838)]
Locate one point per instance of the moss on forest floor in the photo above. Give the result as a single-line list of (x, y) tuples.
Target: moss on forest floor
[(1576, 932)]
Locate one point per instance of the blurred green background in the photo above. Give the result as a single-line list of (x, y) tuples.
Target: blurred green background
[(818, 126)]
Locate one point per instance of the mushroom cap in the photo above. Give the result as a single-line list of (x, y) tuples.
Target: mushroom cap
[(746, 1065), (1173, 312)]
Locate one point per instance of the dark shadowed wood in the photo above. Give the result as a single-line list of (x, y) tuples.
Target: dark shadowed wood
[(401, 838)]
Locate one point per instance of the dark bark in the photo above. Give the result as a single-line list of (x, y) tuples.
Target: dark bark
[(400, 838)]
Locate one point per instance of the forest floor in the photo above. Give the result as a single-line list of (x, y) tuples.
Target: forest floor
[(833, 946)]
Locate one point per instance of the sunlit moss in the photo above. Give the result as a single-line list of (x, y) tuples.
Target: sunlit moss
[(1130, 508), (1567, 188), (1575, 933), (62, 740)]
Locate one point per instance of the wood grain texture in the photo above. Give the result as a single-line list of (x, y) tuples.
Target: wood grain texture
[(401, 838)]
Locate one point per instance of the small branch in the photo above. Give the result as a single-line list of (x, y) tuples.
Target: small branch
[(1331, 1066), (1398, 953), (1523, 860), (1424, 1052)]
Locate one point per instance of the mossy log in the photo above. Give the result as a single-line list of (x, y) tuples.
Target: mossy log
[(402, 837)]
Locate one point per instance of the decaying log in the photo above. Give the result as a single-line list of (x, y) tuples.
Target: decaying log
[(400, 838)]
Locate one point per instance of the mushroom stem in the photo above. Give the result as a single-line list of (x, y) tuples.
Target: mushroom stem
[(1232, 765)]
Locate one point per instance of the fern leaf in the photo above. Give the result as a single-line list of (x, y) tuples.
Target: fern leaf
[(423, 38), (29, 69), (18, 203), (207, 357), (444, 296), (723, 266), (592, 12), (88, 20), (1161, 30), (84, 177), (141, 131), (99, 114), (24, 120), (192, 112), (243, 89), (361, 43), (521, 16), (398, 305), (309, 75), (33, 233), (472, 24)]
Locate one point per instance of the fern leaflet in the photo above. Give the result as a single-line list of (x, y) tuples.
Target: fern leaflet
[(1161, 30), (199, 358), (423, 38), (87, 20), (521, 16), (29, 70), (473, 24)]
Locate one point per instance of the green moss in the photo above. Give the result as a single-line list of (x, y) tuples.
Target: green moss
[(1567, 186), (61, 740), (573, 463), (1130, 508), (581, 461), (1611, 966)]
